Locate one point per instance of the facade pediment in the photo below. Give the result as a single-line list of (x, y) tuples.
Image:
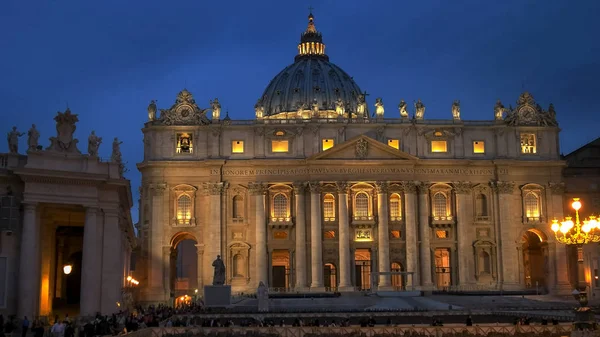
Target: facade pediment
[(362, 148)]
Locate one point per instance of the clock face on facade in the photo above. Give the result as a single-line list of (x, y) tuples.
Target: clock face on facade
[(185, 112)]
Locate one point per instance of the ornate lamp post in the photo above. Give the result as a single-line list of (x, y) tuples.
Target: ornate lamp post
[(579, 233)]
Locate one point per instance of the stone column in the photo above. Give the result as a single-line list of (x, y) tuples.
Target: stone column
[(156, 242), (58, 269), (559, 269), (112, 255), (262, 275), (316, 240), (424, 232), (214, 231), (166, 276), (90, 294), (29, 263), (410, 220), (510, 257), (345, 283), (464, 223), (300, 261), (199, 267), (383, 236)]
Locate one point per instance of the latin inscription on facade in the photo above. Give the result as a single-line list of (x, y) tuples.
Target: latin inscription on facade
[(356, 170)]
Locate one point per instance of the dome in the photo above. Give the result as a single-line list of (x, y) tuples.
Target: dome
[(311, 86)]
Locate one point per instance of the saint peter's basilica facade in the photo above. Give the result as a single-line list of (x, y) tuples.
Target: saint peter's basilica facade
[(317, 192)]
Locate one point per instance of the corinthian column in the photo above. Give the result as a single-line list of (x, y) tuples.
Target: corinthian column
[(259, 191), (214, 232), (299, 191), (425, 249), (383, 235), (156, 243), (29, 263), (410, 218), (464, 224), (344, 238), (510, 256), (316, 242)]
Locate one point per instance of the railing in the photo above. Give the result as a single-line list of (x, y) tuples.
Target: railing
[(454, 330), (364, 121)]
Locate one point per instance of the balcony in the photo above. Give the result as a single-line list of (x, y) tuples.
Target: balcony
[(281, 223)]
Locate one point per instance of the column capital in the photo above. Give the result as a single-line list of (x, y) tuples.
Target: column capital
[(91, 210), (503, 187), (158, 188), (299, 187), (409, 186), (342, 187), (257, 188), (30, 206), (314, 186), (423, 187), (462, 187), (216, 188), (557, 188), (381, 187)]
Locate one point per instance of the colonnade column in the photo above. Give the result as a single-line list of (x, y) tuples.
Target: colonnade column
[(90, 294), (410, 218), (425, 249), (300, 261), (29, 263), (383, 235), (464, 223), (344, 238), (316, 241), (259, 191), (112, 254), (510, 257)]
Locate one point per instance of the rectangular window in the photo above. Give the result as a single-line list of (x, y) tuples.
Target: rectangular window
[(237, 146), (439, 146), (395, 235), (279, 146), (395, 143), (184, 143), (528, 144), (327, 144), (478, 146), (3, 280)]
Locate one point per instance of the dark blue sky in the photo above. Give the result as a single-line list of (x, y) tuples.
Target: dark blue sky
[(107, 59)]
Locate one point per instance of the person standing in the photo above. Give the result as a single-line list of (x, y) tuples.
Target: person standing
[(24, 327)]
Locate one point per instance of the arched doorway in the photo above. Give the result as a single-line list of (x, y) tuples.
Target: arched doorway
[(184, 265), (535, 257)]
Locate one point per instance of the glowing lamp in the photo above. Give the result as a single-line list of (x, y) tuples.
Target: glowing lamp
[(67, 269), (576, 204), (129, 278), (555, 226)]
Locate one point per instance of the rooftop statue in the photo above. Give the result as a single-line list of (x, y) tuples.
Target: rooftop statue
[(152, 110), (13, 140), (302, 113), (216, 109), (499, 110), (361, 107), (315, 108), (259, 109), (419, 109), (379, 110), (33, 138), (219, 274), (456, 110), (402, 109), (94, 144), (339, 107)]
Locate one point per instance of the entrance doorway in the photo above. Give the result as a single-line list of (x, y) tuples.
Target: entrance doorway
[(397, 279), (362, 269), (443, 272), (329, 276), (183, 265), (67, 266), (535, 250), (280, 268)]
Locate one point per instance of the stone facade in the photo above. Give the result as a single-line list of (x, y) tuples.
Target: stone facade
[(60, 207)]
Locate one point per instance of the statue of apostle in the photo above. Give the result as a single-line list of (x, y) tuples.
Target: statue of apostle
[(219, 275), (33, 137), (13, 140), (94, 144)]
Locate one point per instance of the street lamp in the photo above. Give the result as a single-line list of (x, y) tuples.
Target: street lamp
[(67, 269), (579, 233)]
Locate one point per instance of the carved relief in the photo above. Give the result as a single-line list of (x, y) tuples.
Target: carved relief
[(528, 112), (362, 149), (463, 187), (423, 187), (65, 128), (158, 188), (216, 188), (342, 187), (257, 188), (503, 187), (314, 187), (299, 187), (381, 187), (185, 111)]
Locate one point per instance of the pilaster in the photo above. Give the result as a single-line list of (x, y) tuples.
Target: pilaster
[(345, 283), (215, 191), (424, 232), (464, 223), (411, 234), (300, 260), (383, 235), (316, 240), (156, 241), (258, 190), (510, 255)]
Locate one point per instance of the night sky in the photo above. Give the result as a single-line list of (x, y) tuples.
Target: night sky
[(107, 59)]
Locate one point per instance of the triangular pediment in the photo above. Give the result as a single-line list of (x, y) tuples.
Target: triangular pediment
[(362, 148)]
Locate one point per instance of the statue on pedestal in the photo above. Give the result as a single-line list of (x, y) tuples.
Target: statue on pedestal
[(216, 109), (315, 108), (499, 110), (456, 110), (94, 144), (116, 151), (361, 106), (379, 110), (152, 110), (263, 297), (402, 109), (259, 109), (419, 109), (33, 137), (13, 140), (339, 107), (219, 275)]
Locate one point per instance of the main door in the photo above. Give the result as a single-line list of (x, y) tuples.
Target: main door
[(279, 277), (362, 269)]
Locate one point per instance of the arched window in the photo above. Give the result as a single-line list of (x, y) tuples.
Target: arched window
[(395, 207), (184, 209), (532, 206), (280, 206), (440, 205), (481, 205), (329, 207), (484, 262), (397, 281), (238, 265), (361, 204), (238, 206)]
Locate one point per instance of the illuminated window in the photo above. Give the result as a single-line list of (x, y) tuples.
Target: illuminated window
[(478, 146), (441, 234), (237, 146), (439, 146), (184, 209), (528, 145), (395, 143), (395, 207), (532, 206), (184, 143), (329, 207), (438, 134), (361, 202), (238, 207), (440, 205), (279, 146), (395, 234), (280, 206), (329, 235), (327, 144), (280, 133)]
